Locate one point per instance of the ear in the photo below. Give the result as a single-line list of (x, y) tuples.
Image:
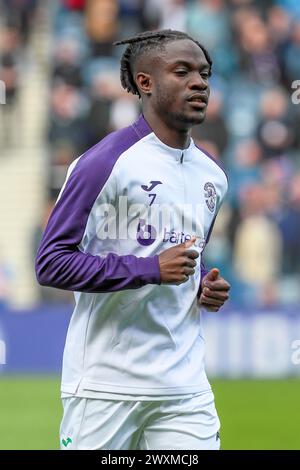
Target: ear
[(144, 83)]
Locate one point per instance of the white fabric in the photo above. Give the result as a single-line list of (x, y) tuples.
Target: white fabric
[(147, 341), (90, 424)]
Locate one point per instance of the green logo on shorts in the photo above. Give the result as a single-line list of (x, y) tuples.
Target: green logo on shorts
[(67, 441)]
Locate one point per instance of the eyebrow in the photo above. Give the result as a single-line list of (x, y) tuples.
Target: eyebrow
[(188, 64)]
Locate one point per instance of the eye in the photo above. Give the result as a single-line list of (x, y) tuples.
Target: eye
[(181, 72), (205, 75)]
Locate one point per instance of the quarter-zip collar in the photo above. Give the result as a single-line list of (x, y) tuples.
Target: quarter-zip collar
[(142, 127)]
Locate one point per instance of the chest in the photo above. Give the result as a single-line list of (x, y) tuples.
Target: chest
[(183, 191)]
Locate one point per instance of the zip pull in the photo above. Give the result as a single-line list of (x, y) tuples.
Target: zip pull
[(181, 158)]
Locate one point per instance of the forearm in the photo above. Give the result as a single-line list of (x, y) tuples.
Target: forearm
[(83, 272)]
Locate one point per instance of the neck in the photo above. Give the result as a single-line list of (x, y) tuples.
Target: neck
[(176, 138)]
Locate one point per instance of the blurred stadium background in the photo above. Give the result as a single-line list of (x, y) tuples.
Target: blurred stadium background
[(60, 75)]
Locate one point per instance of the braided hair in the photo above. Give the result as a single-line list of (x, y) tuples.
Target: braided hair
[(145, 42)]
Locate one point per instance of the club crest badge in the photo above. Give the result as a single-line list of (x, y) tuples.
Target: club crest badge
[(210, 195)]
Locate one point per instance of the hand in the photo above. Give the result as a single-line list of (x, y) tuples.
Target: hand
[(215, 291), (177, 263)]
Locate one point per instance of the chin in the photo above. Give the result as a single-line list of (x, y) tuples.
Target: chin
[(187, 120), (195, 119), (198, 119)]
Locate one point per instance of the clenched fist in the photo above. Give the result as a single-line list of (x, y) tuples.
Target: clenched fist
[(215, 291), (178, 263)]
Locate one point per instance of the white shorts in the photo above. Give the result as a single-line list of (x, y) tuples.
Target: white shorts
[(98, 424)]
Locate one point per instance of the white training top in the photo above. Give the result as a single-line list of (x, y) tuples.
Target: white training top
[(130, 335)]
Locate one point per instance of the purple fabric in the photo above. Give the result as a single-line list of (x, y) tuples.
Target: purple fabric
[(217, 162), (204, 271), (59, 263)]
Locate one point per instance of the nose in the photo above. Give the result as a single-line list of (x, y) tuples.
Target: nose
[(198, 83)]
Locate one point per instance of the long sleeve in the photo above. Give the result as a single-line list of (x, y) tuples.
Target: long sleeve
[(204, 271), (60, 263)]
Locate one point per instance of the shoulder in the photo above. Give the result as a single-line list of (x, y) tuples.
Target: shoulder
[(97, 163), (88, 174), (217, 164), (105, 153)]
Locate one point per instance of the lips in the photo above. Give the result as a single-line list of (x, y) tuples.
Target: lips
[(197, 104), (198, 98), (198, 101)]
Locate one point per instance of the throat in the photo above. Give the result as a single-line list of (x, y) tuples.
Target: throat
[(169, 135)]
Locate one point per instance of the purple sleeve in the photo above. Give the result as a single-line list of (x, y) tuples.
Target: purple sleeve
[(204, 271), (59, 262)]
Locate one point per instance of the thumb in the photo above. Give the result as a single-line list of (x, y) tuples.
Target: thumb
[(190, 242), (212, 275)]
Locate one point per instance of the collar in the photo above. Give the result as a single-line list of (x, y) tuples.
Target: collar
[(143, 129)]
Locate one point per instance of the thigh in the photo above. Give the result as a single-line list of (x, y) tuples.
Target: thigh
[(95, 424), (183, 424)]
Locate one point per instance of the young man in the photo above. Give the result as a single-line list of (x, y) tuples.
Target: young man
[(133, 368)]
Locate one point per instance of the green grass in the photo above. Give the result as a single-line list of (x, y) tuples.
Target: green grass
[(30, 413), (259, 414), (253, 414)]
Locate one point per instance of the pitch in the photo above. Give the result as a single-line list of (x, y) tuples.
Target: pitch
[(254, 414)]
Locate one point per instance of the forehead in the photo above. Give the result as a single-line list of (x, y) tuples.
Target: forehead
[(183, 50)]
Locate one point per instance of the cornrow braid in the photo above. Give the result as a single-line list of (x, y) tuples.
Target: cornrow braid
[(144, 42)]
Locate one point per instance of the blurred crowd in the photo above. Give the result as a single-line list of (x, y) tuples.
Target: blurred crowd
[(252, 122), (16, 20)]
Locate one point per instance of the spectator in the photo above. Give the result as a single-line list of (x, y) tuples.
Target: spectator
[(214, 127), (276, 131), (67, 66), (102, 25), (258, 245), (289, 226), (68, 117), (258, 59), (9, 75)]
